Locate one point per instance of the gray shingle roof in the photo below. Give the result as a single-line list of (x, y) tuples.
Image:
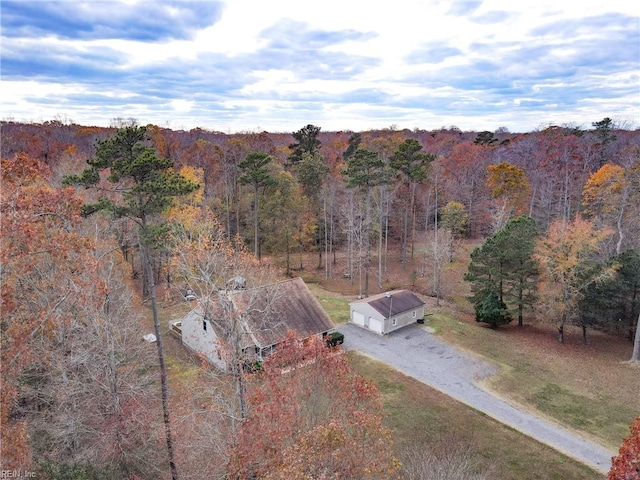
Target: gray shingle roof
[(272, 310), (394, 302)]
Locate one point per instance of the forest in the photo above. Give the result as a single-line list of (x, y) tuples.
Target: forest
[(100, 226)]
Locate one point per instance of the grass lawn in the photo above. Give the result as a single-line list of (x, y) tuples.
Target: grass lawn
[(419, 416), (336, 306), (586, 387)]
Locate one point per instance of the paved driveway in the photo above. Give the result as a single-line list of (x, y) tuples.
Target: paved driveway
[(415, 352)]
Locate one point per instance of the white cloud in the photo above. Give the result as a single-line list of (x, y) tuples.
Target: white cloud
[(182, 106), (413, 63)]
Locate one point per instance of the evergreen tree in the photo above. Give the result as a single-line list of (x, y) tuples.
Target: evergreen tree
[(504, 266), (614, 304), (140, 186), (517, 238), (493, 311), (410, 164), (354, 144), (255, 172), (603, 132), (365, 169), (311, 173), (306, 142)]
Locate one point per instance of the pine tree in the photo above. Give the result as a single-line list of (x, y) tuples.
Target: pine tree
[(503, 266), (255, 172), (307, 142), (140, 186)]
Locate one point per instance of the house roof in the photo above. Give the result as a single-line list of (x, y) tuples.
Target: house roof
[(393, 303), (268, 312)]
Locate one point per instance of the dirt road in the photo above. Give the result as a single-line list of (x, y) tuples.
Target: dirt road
[(415, 352)]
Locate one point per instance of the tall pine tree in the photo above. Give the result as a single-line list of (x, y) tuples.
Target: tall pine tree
[(139, 186), (504, 267)]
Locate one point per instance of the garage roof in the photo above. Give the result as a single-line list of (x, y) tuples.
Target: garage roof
[(393, 303)]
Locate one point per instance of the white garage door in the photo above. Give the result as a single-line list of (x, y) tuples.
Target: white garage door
[(375, 325), (357, 318)]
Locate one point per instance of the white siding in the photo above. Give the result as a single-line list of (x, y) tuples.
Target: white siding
[(366, 316), (200, 341), (404, 319)]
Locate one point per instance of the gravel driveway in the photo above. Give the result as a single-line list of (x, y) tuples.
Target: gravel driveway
[(415, 352)]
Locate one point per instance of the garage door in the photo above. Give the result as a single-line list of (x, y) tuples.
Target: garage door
[(375, 325), (357, 318)]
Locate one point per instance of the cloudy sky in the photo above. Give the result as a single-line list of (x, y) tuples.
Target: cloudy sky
[(277, 65)]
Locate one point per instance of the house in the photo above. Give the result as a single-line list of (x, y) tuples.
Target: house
[(263, 316), (387, 312)]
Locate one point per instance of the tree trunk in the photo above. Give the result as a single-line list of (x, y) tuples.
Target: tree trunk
[(386, 234), (619, 224), (367, 233), (520, 301), (413, 220), (565, 301), (163, 369), (288, 252), (326, 236), (436, 273), (227, 204), (381, 219), (405, 230), (256, 248), (561, 330), (635, 356)]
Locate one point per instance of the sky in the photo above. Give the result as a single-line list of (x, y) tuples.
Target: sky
[(356, 65)]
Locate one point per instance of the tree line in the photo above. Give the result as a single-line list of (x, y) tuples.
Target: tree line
[(561, 222)]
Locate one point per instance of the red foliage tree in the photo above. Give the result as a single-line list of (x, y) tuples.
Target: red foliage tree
[(36, 239), (626, 465), (310, 416)]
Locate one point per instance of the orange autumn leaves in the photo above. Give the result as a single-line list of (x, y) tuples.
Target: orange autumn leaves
[(626, 465), (311, 416), (38, 240)]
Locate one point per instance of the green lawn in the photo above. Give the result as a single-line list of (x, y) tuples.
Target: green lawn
[(586, 387), (421, 417), (336, 306)]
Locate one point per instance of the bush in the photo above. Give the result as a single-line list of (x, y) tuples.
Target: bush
[(493, 311), (334, 338)]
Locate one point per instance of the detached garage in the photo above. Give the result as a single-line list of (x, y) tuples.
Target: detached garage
[(387, 312)]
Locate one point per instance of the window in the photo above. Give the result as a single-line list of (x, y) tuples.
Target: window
[(204, 325), (395, 322)]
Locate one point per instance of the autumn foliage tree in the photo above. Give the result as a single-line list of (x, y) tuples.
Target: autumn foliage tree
[(626, 465), (72, 389), (139, 186), (455, 218), (569, 252), (610, 197), (329, 426), (38, 244), (510, 190), (207, 263)]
